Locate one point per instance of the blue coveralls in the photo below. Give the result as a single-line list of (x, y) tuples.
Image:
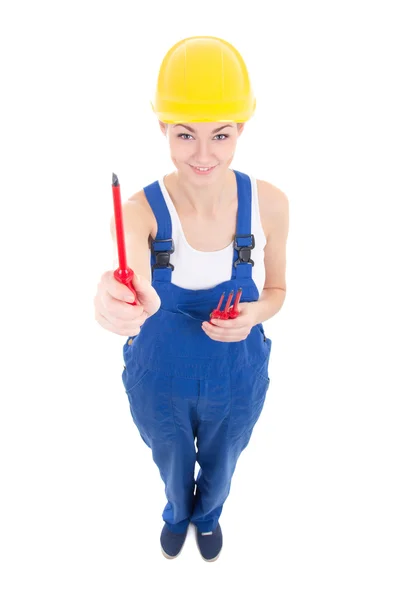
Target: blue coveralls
[(183, 386)]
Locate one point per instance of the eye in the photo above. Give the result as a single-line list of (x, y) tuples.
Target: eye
[(180, 135)]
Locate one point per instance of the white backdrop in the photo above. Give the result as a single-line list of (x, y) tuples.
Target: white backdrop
[(313, 510)]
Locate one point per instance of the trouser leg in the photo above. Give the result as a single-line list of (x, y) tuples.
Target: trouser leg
[(228, 411), (163, 409)]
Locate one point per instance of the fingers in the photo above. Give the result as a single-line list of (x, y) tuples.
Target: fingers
[(118, 309), (116, 315), (125, 329), (120, 326), (150, 301), (220, 334), (113, 310), (240, 321), (114, 287), (147, 295)]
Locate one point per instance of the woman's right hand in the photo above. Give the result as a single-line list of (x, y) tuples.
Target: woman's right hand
[(112, 310)]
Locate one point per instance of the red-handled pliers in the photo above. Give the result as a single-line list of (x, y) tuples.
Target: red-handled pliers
[(229, 312), (124, 274)]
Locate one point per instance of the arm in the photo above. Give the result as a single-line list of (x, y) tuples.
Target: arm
[(274, 212)]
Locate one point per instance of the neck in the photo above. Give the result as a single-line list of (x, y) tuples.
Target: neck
[(206, 199)]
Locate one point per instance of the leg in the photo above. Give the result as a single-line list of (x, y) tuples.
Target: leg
[(230, 409), (162, 408)]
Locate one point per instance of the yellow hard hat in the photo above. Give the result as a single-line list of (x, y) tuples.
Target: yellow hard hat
[(203, 78)]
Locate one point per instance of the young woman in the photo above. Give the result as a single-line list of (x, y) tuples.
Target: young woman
[(200, 231)]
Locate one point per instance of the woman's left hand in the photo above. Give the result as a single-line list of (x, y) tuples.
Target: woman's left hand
[(233, 330)]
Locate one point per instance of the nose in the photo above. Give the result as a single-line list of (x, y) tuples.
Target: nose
[(203, 154)]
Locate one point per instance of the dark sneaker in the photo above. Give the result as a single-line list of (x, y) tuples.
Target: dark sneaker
[(172, 543), (210, 544)]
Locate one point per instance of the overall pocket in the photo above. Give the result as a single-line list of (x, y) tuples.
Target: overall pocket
[(181, 336), (198, 313), (249, 391), (132, 380), (150, 401)]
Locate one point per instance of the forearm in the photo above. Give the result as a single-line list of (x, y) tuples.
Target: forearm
[(269, 303)]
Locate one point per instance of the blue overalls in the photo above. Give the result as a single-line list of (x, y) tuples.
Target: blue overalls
[(183, 386)]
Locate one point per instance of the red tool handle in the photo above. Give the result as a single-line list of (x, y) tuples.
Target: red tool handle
[(123, 274), (229, 312)]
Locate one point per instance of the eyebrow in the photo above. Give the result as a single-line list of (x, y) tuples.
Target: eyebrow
[(194, 131)]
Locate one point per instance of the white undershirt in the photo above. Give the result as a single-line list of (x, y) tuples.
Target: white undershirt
[(198, 270)]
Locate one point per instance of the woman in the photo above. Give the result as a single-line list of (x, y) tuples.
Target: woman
[(209, 230)]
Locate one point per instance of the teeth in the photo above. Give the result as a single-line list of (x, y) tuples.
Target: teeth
[(203, 168)]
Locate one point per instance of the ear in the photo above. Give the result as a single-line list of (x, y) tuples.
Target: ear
[(163, 127), (240, 127)]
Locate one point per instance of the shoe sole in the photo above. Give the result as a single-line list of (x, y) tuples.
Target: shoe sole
[(171, 557), (176, 555)]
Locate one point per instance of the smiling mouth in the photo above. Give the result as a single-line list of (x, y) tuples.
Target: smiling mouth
[(203, 168)]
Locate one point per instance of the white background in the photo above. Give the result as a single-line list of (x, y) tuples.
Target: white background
[(313, 509)]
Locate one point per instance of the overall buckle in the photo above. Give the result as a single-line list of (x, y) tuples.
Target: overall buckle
[(244, 251), (163, 256)]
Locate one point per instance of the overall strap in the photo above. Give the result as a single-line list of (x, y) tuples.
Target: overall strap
[(244, 240), (163, 246)]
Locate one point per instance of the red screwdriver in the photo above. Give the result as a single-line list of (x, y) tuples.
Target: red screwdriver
[(123, 274), (216, 313), (233, 311), (229, 312), (225, 313)]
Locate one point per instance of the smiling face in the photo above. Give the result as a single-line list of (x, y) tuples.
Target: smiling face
[(201, 151)]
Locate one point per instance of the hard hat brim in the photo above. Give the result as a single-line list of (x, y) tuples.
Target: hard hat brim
[(206, 113)]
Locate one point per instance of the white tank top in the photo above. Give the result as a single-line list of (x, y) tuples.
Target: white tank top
[(198, 270)]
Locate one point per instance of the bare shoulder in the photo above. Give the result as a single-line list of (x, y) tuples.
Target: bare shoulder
[(274, 207), (141, 206)]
